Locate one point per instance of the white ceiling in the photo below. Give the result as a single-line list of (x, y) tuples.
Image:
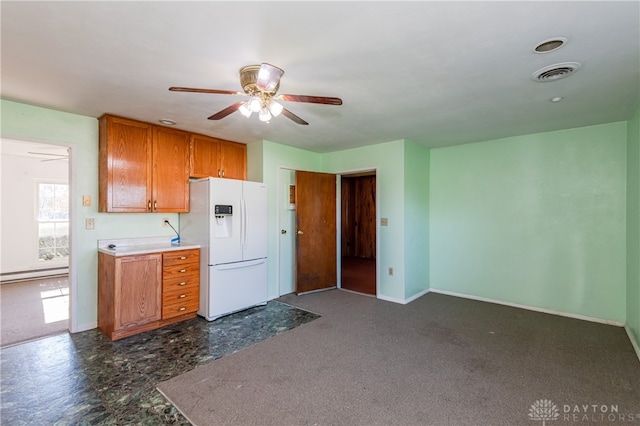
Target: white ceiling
[(438, 73)]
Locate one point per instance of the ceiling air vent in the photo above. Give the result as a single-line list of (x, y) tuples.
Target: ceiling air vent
[(555, 72)]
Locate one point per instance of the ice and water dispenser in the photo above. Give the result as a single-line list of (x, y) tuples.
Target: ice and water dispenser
[(223, 223)]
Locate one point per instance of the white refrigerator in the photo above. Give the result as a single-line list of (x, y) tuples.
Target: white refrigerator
[(228, 218)]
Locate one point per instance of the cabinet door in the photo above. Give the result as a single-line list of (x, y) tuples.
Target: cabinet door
[(205, 157), (138, 290), (124, 165), (233, 160), (170, 170)]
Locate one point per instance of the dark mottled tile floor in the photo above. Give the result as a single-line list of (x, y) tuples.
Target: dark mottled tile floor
[(86, 379)]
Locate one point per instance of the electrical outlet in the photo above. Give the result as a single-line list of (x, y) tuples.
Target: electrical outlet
[(390, 270), (88, 223), (165, 221)]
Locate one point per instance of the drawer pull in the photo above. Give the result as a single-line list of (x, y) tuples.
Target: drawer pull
[(182, 270), (183, 283), (182, 296), (183, 257), (182, 309)]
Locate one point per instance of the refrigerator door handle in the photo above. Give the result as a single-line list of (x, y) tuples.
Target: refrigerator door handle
[(238, 265), (246, 223)]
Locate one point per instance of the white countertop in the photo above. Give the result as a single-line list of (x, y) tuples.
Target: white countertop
[(133, 246)]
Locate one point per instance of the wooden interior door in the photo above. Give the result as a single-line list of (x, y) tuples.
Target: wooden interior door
[(315, 231)]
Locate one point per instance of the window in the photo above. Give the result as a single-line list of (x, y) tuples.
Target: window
[(53, 221)]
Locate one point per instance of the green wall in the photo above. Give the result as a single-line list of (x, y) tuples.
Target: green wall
[(274, 158), (633, 227), (416, 220), (29, 123), (388, 160), (536, 220), (550, 221)]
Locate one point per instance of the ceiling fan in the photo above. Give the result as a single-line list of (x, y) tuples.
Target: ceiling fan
[(261, 83)]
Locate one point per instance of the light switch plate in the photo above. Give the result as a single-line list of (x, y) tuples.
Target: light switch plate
[(384, 221), (86, 200)]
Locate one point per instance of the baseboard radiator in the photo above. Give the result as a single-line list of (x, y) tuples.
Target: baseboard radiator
[(7, 277)]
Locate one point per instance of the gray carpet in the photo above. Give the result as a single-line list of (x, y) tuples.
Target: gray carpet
[(439, 360), (33, 309)]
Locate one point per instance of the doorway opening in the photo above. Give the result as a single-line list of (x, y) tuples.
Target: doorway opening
[(34, 273), (358, 232)]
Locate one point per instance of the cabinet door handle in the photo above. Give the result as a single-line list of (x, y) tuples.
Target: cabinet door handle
[(149, 205), (183, 257), (182, 270), (218, 172), (223, 173), (182, 296), (183, 283), (182, 309), (155, 205)]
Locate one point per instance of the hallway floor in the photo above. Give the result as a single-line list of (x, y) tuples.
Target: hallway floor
[(359, 275), (84, 378), (33, 309)]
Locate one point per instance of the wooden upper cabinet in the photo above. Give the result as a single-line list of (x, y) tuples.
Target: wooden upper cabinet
[(170, 170), (142, 168), (124, 165), (217, 158)]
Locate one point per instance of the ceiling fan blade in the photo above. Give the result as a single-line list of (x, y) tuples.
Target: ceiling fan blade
[(214, 91), (311, 99), (228, 110), (268, 77), (293, 117)]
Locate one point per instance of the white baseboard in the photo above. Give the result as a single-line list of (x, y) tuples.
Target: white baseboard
[(528, 307), (416, 296), (84, 327), (634, 342), (403, 301)]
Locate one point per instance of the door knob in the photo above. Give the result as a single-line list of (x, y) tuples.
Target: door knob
[(300, 232)]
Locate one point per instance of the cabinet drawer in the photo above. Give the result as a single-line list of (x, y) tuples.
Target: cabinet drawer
[(181, 296), (180, 308), (180, 271), (172, 258), (180, 283)]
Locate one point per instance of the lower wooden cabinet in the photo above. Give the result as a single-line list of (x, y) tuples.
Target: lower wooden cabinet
[(143, 292), (180, 283)]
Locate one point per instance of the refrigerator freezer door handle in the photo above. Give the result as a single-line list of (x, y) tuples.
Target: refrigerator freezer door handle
[(243, 230), (246, 223), (238, 265)]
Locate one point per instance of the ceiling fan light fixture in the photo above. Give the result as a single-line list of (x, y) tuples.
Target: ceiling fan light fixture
[(268, 77), (275, 108), (264, 115), (245, 109), (255, 103)]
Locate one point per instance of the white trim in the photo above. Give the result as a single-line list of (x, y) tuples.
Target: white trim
[(404, 301), (528, 307), (84, 327), (391, 299), (417, 296), (634, 343)]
